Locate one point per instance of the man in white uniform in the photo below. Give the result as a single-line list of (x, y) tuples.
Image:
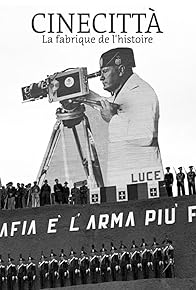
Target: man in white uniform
[(133, 125)]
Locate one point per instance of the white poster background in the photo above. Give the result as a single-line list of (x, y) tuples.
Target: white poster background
[(168, 64)]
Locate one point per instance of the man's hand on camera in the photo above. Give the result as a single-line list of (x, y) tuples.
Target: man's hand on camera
[(108, 110)]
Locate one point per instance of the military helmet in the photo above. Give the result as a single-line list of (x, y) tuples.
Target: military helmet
[(117, 56)]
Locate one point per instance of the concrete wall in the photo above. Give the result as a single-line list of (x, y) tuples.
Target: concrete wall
[(29, 231)]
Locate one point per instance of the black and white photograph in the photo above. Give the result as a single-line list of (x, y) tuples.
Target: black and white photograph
[(97, 163)]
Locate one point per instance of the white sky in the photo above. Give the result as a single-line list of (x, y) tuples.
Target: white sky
[(168, 65)]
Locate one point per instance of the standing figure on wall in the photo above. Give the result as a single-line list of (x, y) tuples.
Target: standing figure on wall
[(180, 176), (169, 179), (191, 180), (58, 192), (45, 194)]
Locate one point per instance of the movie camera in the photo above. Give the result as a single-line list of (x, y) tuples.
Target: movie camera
[(68, 86)]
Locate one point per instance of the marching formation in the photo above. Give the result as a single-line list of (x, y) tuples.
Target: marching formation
[(140, 262)]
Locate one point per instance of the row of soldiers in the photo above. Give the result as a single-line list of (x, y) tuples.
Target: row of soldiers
[(180, 177), (104, 266)]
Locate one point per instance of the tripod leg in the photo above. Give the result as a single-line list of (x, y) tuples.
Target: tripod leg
[(6, 201), (28, 199), (91, 177), (95, 160), (66, 168), (84, 161), (49, 152)]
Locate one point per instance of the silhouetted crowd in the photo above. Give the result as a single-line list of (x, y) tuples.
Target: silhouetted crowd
[(139, 262), (22, 196)]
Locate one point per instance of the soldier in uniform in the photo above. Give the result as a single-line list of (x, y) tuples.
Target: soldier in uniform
[(53, 270), (23, 193), (84, 266), (114, 262), (45, 192), (28, 195), (75, 193), (43, 271), (63, 268), (135, 260), (11, 273), (83, 193), (21, 273), (66, 193), (58, 192), (35, 192), (94, 265), (11, 193), (73, 267), (156, 258), (2, 273), (180, 176), (145, 259), (191, 180), (169, 179), (124, 261), (104, 264), (31, 272), (168, 259), (3, 197), (18, 197)]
